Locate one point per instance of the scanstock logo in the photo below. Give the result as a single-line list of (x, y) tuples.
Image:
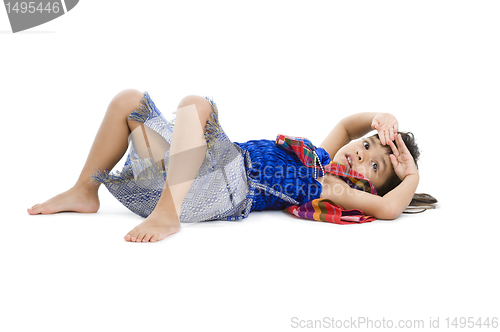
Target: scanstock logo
[(28, 14)]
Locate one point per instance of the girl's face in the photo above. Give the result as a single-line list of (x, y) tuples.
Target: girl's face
[(368, 157)]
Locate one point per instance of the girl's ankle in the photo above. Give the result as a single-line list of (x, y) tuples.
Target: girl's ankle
[(89, 190)]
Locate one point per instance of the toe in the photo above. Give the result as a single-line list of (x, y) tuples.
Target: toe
[(34, 209), (147, 237), (131, 236), (139, 237)]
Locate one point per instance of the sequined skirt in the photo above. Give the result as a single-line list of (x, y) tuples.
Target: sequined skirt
[(220, 190)]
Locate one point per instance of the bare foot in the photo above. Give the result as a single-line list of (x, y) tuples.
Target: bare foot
[(154, 228), (75, 200)]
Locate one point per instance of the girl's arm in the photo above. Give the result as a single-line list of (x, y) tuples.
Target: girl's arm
[(389, 207), (392, 204), (358, 125)]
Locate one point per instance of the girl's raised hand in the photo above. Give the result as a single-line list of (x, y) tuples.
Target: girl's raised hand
[(386, 125), (401, 159)]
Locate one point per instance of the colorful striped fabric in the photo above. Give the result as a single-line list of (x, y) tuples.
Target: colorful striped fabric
[(302, 147), (324, 209)]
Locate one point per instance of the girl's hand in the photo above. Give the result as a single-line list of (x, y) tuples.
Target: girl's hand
[(402, 161), (386, 125)]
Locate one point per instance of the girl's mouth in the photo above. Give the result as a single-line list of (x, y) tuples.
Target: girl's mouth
[(348, 160)]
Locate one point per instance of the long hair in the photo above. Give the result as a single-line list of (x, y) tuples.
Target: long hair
[(420, 202)]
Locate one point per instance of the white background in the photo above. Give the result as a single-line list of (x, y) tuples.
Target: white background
[(289, 67)]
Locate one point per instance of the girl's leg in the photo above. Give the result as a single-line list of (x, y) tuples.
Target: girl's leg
[(110, 144), (186, 156)]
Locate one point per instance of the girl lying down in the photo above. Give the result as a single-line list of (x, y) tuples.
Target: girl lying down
[(186, 169)]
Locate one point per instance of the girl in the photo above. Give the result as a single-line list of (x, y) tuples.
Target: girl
[(187, 169)]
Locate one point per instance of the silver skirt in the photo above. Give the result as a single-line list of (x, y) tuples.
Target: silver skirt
[(220, 190)]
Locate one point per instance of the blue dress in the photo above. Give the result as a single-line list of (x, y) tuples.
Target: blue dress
[(234, 178), (279, 177)]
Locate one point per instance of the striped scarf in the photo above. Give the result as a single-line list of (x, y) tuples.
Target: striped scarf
[(322, 209)]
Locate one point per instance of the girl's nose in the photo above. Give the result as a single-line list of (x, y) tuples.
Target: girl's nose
[(360, 155)]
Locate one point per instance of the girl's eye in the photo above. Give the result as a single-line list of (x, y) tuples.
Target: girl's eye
[(375, 166), (366, 145)]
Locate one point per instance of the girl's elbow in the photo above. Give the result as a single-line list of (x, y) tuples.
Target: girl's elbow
[(387, 212)]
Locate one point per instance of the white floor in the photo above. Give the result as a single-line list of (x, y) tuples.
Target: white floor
[(272, 69), (271, 271)]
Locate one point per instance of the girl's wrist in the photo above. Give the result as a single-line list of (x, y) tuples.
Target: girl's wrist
[(415, 176)]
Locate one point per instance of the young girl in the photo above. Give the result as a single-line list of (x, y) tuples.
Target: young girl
[(187, 169)]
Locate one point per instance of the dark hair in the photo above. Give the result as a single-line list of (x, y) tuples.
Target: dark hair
[(420, 202)]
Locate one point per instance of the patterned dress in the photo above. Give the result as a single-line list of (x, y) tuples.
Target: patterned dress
[(279, 178), (234, 178)]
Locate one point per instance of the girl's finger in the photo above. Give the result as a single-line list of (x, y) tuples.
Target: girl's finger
[(394, 161), (396, 127), (391, 134), (381, 137), (394, 148), (402, 146)]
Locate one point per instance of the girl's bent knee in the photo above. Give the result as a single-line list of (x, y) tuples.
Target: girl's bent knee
[(128, 99), (203, 106)]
